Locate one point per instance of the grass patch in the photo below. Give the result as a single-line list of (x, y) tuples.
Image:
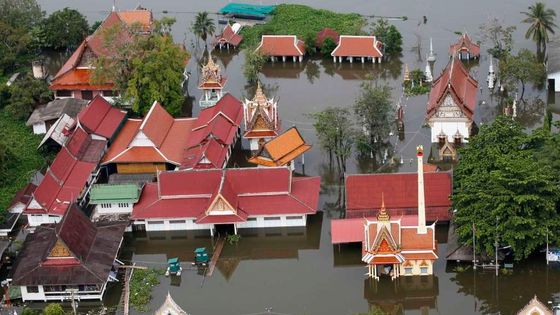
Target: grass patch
[(141, 286), (305, 22), (24, 158)]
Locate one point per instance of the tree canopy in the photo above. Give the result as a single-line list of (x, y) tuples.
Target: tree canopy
[(203, 26), (64, 28), (503, 190), (389, 35), (541, 20), (521, 69)]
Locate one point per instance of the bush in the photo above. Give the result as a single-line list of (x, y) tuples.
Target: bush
[(253, 65), (328, 46), (53, 309), (141, 286)]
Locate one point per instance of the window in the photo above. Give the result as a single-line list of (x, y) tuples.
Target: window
[(272, 218), (63, 93), (155, 222), (251, 219), (123, 205), (424, 270), (32, 289), (294, 217), (108, 93), (408, 270), (177, 221), (87, 95)]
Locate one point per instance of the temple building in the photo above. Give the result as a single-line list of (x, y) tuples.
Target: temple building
[(74, 255), (76, 165), (282, 150), (260, 116), (284, 47), (536, 307), (170, 307), (155, 143), (393, 245), (360, 47), (451, 105), (74, 79), (214, 135), (464, 48), (226, 198), (229, 37), (211, 83)]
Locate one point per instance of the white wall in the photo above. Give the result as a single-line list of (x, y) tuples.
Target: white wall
[(55, 296), (26, 296), (38, 219), (556, 78), (450, 129), (40, 128), (115, 208), (416, 268)]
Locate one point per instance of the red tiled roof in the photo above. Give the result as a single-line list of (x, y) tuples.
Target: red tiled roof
[(281, 45), (411, 240), (455, 81), (156, 124), (347, 231), (101, 118), (229, 36), (326, 33), (465, 43), (400, 190), (256, 191), (357, 46), (142, 17)]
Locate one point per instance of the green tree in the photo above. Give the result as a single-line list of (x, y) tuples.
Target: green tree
[(64, 28), (336, 134), (157, 76), (328, 46), (389, 35), (501, 189), (254, 62), (521, 69), (25, 94), (374, 111), (203, 26), (94, 26), (541, 22), (29, 311), (53, 309), (498, 36)]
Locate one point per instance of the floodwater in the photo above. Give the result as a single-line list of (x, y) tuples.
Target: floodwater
[(298, 271)]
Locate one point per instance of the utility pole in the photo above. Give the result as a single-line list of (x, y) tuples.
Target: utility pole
[(496, 245), (474, 245)]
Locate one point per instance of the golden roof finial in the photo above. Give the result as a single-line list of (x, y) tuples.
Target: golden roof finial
[(383, 215), (259, 98)]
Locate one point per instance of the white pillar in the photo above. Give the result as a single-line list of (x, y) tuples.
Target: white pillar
[(363, 59), (235, 229), (421, 200), (301, 58), (212, 231), (372, 59), (334, 59), (351, 59), (294, 58), (283, 58)]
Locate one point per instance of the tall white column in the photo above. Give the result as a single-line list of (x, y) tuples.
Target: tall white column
[(421, 198)]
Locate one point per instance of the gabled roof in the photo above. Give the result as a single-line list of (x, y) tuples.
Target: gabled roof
[(250, 191), (140, 17), (92, 249), (358, 46), (158, 138), (211, 76), (101, 118), (364, 193), (456, 82), (465, 43), (56, 108), (228, 36), (326, 33), (281, 150), (78, 79), (535, 307), (169, 307), (261, 116), (111, 193), (281, 45)]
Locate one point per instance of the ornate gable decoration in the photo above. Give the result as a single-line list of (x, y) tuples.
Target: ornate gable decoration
[(220, 206), (449, 108), (60, 250), (260, 112), (211, 72), (384, 243)]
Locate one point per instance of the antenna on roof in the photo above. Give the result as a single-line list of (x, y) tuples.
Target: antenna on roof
[(114, 5)]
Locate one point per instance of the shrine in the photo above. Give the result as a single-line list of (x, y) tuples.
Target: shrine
[(212, 83), (261, 119), (465, 48)]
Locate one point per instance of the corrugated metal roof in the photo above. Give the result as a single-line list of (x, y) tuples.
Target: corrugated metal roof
[(110, 193)]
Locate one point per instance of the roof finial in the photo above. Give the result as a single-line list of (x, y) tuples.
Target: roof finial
[(114, 5), (383, 215)]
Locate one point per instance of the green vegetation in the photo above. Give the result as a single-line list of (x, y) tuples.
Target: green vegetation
[(53, 309), (416, 85), (233, 239), (254, 62), (64, 28), (19, 99), (328, 46), (148, 69), (541, 22), (141, 286), (521, 69), (498, 36), (303, 21), (507, 186), (203, 26), (389, 35)]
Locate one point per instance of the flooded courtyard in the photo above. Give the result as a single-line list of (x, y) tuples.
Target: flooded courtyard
[(297, 270)]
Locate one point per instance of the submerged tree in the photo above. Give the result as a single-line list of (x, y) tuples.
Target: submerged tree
[(498, 37), (501, 189), (389, 35), (541, 22), (203, 26), (336, 133), (254, 62), (521, 69), (374, 111)]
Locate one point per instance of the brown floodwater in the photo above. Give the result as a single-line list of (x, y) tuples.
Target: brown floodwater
[(297, 270)]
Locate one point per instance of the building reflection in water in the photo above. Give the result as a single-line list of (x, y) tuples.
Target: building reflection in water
[(402, 294), (154, 248)]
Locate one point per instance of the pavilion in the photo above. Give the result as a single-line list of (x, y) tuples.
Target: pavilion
[(465, 48), (361, 47), (282, 46)]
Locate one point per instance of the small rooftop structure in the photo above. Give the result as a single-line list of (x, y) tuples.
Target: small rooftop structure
[(465, 48), (247, 11), (324, 34), (553, 64), (169, 307), (282, 150), (74, 252), (260, 118), (363, 47), (228, 37), (43, 117), (212, 83), (535, 307), (282, 46), (111, 193)]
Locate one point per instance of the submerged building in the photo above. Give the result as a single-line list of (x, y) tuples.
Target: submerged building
[(212, 83), (284, 47), (260, 116), (358, 47), (464, 48)]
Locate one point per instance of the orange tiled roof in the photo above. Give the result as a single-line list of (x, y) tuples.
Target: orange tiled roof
[(281, 45), (77, 79), (142, 17), (357, 46), (282, 149)]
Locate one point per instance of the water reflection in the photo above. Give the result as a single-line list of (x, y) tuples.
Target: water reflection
[(283, 70)]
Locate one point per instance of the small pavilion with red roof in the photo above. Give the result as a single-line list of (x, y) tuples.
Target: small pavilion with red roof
[(361, 47), (282, 46), (452, 104), (260, 116), (75, 167), (240, 198), (74, 79), (465, 48), (212, 83), (394, 245), (228, 38)]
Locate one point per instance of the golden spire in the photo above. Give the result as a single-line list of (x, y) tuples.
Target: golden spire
[(406, 73), (383, 215)]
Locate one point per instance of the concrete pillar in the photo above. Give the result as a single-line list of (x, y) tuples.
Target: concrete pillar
[(334, 59), (294, 58), (351, 59), (363, 59), (300, 58), (372, 59), (212, 231), (283, 58), (235, 229)]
